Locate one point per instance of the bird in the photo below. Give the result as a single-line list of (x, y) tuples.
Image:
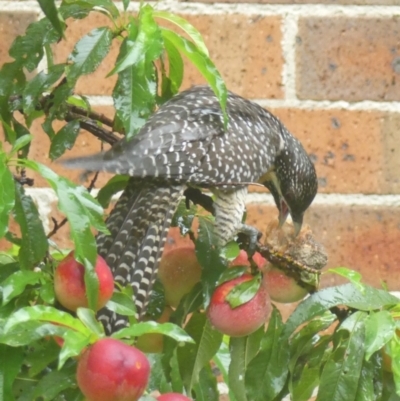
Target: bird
[(185, 145)]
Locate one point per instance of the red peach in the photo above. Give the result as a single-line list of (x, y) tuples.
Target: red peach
[(69, 283), (179, 271), (244, 319), (111, 370), (173, 397)]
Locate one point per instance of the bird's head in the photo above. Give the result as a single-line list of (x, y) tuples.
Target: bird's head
[(293, 184)]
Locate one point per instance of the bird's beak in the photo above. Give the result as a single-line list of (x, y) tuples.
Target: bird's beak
[(297, 223), (283, 213)]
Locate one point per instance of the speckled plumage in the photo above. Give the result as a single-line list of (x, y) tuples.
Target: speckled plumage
[(184, 143)]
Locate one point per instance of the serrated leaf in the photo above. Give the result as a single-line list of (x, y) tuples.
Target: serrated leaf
[(7, 194), (15, 284), (232, 273), (348, 294), (122, 304), (89, 52), (113, 186), (186, 26), (88, 318), (107, 7), (82, 211), (39, 84), (143, 48), (34, 243), (379, 329), (28, 49), (54, 382), (341, 373), (193, 357), (10, 365), (168, 329), (64, 139), (50, 11), (136, 89), (205, 66), (365, 388), (267, 372), (175, 67), (242, 351), (206, 389), (46, 314), (243, 292), (351, 275)]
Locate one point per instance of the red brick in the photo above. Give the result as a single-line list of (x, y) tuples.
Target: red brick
[(362, 238), (12, 24), (354, 151), (251, 66), (348, 58)]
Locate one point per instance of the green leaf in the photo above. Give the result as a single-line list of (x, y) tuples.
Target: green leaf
[(34, 243), (89, 52), (348, 294), (230, 251), (242, 350), (222, 360), (88, 318), (267, 372), (15, 284), (10, 365), (125, 4), (40, 355), (122, 304), (114, 185), (144, 45), (232, 273), (351, 275), (380, 327), (206, 389), (193, 357), (175, 66), (20, 143), (54, 382), (183, 217), (7, 194), (187, 27), (50, 11), (46, 314), (136, 89), (39, 84), (209, 257), (168, 329), (107, 7), (365, 389), (204, 64), (82, 211), (74, 343), (28, 49), (341, 373), (10, 134), (243, 292), (65, 139)]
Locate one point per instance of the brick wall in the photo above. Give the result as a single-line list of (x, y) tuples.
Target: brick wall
[(330, 70)]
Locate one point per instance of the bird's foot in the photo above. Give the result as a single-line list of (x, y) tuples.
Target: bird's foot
[(248, 238), (198, 198)]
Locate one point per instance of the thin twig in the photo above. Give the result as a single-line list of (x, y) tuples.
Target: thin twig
[(57, 226), (92, 115)]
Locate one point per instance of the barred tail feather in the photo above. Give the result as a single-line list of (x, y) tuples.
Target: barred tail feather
[(138, 228)]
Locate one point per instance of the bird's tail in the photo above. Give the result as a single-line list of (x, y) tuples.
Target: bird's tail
[(138, 227)]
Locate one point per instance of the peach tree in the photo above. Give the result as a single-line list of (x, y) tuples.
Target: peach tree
[(340, 343)]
